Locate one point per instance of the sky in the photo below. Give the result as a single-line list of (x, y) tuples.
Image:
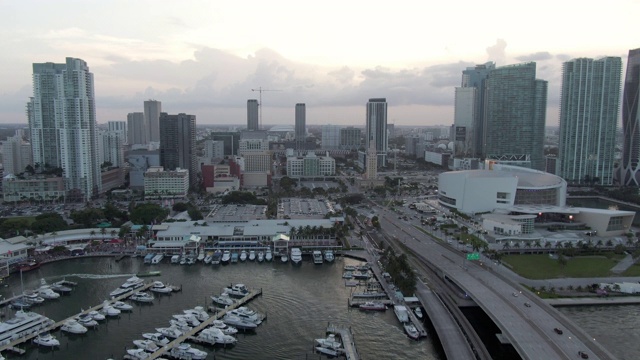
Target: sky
[(206, 57)]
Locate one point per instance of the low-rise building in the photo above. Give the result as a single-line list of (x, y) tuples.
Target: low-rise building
[(37, 188), (159, 183), (310, 165)]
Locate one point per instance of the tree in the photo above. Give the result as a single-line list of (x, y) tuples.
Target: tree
[(87, 217), (148, 213), (562, 260)]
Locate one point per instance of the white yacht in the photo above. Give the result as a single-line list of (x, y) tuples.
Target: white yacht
[(199, 312), (156, 259), (200, 256), (46, 340), (268, 256), (260, 256), (252, 255), (109, 310), (137, 354), (213, 335), (243, 255), (170, 332), (418, 312), (237, 290), (32, 297), (157, 338), (188, 319), (208, 258), (223, 300), (239, 323), (142, 296), (226, 257), (22, 324), (159, 287), (180, 325), (73, 327), (329, 342), (175, 259), (47, 293), (86, 320), (95, 315), (226, 329), (146, 345), (328, 256), (245, 313), (284, 258), (132, 283), (411, 330), (401, 313), (122, 306), (296, 255), (185, 351), (317, 257)]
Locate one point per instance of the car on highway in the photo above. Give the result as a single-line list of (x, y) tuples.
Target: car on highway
[(527, 304), (583, 354), (558, 331), (514, 294)]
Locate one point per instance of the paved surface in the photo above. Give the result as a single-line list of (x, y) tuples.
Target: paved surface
[(623, 265)]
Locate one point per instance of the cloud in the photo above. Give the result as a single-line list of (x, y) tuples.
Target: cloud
[(496, 52), (538, 56)]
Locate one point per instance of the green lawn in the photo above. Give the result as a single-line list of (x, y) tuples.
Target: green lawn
[(544, 267), (633, 270)]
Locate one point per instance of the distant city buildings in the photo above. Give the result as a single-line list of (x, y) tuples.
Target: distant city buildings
[(629, 171), (350, 138), (152, 110), (310, 165), (16, 154), (331, 136), (160, 183), (178, 143), (301, 125), (589, 105), (252, 115), (136, 129)]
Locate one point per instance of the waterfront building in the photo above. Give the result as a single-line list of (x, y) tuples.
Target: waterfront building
[(160, 183), (62, 121), (252, 115), (331, 136), (376, 129), (136, 129), (629, 170), (152, 111), (178, 143), (589, 105), (310, 165), (301, 125), (514, 115), (350, 138)]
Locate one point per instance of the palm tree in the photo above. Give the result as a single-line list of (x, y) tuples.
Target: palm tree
[(92, 234), (113, 233), (537, 243), (103, 232), (506, 245), (547, 244)]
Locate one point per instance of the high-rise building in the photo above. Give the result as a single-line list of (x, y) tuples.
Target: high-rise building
[(252, 115), (589, 104), (111, 147), (629, 171), (350, 138), (514, 116), (178, 143), (301, 125), (376, 131), (331, 136), (62, 121), (16, 154), (136, 129), (152, 110)]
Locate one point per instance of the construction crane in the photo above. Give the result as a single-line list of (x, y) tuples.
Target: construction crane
[(260, 90)]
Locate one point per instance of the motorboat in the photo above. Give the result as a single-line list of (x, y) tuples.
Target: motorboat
[(137, 354), (234, 258), (363, 267), (252, 255), (175, 259), (296, 256), (46, 340), (237, 290), (20, 303), (268, 256), (142, 296), (328, 351), (245, 313), (32, 297), (208, 258), (73, 327), (330, 342), (188, 319), (260, 256), (86, 320), (180, 325), (29, 265), (317, 257), (349, 268), (373, 306), (216, 258), (213, 335), (47, 293), (223, 300), (198, 312), (411, 330), (183, 260), (191, 260), (238, 322), (284, 258), (147, 258), (328, 256), (146, 345), (201, 256), (418, 312), (170, 332), (95, 315), (185, 351), (156, 259), (158, 338), (347, 275), (23, 323), (159, 287), (226, 329), (60, 288), (243, 255), (122, 306), (109, 310), (361, 275), (226, 257), (132, 283), (401, 313)]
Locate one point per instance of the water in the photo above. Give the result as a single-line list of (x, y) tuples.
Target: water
[(299, 302)]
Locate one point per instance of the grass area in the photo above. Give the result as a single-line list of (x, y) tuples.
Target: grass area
[(30, 219), (633, 270), (544, 267)]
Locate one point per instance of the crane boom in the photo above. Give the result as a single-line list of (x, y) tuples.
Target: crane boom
[(260, 90)]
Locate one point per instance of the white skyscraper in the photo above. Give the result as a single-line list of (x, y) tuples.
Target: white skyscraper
[(62, 121)]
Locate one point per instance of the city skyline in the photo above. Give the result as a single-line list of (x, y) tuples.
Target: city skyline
[(206, 58)]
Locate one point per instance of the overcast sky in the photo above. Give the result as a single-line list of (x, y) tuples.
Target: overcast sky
[(204, 57)]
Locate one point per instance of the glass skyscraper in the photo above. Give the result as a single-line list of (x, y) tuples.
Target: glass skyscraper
[(252, 115), (300, 125), (178, 143), (377, 128), (589, 105), (630, 167)]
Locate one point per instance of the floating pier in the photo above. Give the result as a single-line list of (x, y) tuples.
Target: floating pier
[(350, 351)]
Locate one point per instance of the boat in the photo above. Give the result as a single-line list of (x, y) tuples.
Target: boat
[(95, 315), (132, 283), (191, 260), (328, 256), (213, 335), (226, 329), (60, 288), (268, 256), (223, 300), (156, 259), (363, 267), (330, 342), (208, 258), (216, 258), (317, 257), (188, 319), (234, 258), (32, 297), (170, 332), (296, 256), (180, 325), (47, 293), (46, 340), (349, 268), (411, 330), (418, 312), (373, 305), (122, 306), (260, 256), (148, 273), (252, 255), (159, 287), (243, 255), (401, 313), (347, 275), (29, 265), (226, 257), (200, 256), (361, 275), (185, 351), (137, 354), (23, 323), (284, 258), (157, 338), (147, 258), (198, 312), (20, 303), (86, 320), (183, 260), (73, 327), (351, 283), (109, 310), (236, 290), (142, 296), (147, 345), (175, 259), (247, 314), (239, 323), (327, 351)]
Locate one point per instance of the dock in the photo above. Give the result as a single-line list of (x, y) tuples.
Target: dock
[(350, 351), (217, 315)]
